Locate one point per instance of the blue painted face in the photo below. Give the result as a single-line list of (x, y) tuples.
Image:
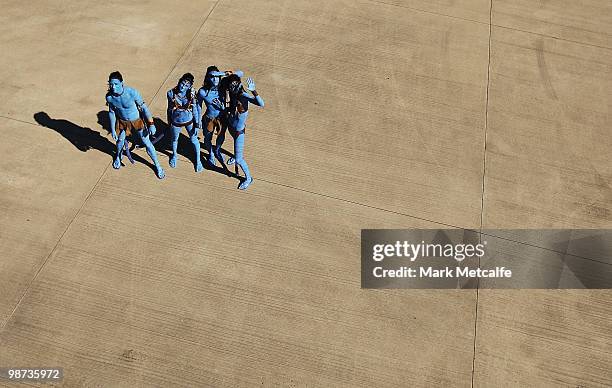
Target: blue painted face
[(184, 86), (235, 87), (214, 81), (115, 86)]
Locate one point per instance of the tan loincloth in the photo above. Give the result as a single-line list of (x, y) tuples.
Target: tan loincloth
[(214, 125), (128, 126)]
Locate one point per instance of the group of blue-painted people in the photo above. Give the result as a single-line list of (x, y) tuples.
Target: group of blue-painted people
[(226, 102)]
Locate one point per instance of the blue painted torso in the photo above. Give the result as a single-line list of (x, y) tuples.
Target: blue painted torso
[(124, 105), (207, 96), (183, 113), (237, 120)]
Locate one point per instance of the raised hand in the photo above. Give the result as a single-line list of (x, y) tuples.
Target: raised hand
[(250, 84)]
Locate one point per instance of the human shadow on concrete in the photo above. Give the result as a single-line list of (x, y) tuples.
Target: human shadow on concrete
[(185, 149), (84, 138), (231, 171)]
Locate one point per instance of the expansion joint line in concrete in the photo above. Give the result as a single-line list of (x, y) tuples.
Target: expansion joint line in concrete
[(582, 43), (186, 48), (428, 12), (586, 44), (360, 204), (484, 174), (25, 292)]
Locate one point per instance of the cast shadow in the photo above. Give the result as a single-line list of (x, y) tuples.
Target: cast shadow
[(222, 168), (185, 149), (84, 138)]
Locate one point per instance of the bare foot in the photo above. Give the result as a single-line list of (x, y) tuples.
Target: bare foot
[(246, 183), (161, 174)]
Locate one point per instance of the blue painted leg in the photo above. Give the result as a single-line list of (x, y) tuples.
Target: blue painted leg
[(239, 156), (193, 136), (120, 143), (176, 131), (128, 153), (152, 154)]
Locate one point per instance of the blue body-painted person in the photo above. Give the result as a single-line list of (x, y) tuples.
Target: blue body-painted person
[(237, 113), (183, 111), (125, 106), (214, 120)]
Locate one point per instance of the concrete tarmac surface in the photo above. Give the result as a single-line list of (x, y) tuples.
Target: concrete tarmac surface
[(379, 114)]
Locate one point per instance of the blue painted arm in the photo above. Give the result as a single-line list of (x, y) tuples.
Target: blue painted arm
[(239, 73), (200, 98), (255, 100), (147, 112), (112, 119), (218, 103), (142, 106), (197, 114), (170, 106)]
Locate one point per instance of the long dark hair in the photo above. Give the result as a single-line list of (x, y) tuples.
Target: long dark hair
[(225, 90), (185, 77), (226, 83), (207, 84)]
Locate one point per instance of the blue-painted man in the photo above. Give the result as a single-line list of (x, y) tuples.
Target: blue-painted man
[(183, 111), (125, 106)]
